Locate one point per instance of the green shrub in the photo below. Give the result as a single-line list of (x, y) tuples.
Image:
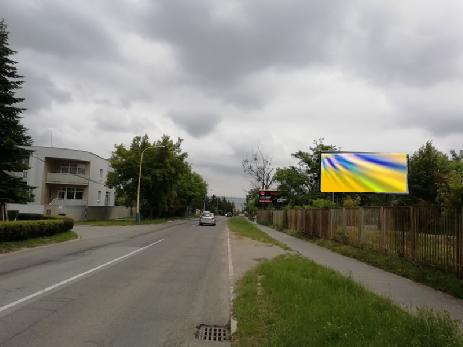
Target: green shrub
[(29, 216), (15, 215), (12, 214), (21, 230), (350, 202), (323, 203)]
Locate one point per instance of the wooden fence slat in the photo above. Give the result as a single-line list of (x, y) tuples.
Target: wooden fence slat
[(412, 233)]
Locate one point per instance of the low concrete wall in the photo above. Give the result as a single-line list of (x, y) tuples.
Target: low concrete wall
[(26, 208), (76, 212), (90, 212)]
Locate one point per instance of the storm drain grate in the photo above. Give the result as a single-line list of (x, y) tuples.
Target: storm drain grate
[(212, 333)]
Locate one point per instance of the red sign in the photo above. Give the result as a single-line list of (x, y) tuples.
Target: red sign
[(267, 196)]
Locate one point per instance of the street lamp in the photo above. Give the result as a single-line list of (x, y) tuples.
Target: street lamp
[(139, 179)]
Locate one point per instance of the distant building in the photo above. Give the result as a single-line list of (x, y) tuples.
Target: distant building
[(66, 177)]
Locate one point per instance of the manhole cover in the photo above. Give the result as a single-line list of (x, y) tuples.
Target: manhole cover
[(212, 333)]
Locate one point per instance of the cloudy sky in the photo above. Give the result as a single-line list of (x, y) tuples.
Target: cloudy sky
[(228, 76)]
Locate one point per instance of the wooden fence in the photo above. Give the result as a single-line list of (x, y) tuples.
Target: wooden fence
[(421, 234)]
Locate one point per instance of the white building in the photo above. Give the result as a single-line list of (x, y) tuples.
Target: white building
[(66, 177)]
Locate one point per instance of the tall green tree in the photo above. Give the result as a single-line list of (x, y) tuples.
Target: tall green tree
[(293, 181), (450, 193), (13, 135), (429, 171), (302, 182), (168, 184)]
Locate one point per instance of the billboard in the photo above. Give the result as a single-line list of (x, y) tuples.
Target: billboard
[(363, 172)]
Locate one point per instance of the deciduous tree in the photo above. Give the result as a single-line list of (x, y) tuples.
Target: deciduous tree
[(259, 167), (168, 184)]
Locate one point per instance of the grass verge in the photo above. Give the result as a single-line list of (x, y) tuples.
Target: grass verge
[(444, 281), (123, 221), (12, 246), (437, 279), (245, 228), (291, 301)]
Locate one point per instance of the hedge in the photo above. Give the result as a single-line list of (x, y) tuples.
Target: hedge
[(21, 230), (15, 215)]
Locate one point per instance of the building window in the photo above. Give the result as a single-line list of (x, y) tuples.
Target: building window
[(70, 193), (106, 198), (72, 168), (99, 196), (101, 173)]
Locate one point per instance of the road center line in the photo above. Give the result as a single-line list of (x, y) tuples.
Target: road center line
[(73, 278)]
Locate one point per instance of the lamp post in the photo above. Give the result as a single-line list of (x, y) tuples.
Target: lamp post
[(139, 179)]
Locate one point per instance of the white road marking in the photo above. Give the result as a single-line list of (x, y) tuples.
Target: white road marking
[(233, 324), (73, 278)]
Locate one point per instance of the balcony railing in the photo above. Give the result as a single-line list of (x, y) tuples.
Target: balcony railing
[(68, 202), (63, 178)]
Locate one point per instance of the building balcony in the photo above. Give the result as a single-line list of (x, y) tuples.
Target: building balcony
[(63, 178), (68, 202)]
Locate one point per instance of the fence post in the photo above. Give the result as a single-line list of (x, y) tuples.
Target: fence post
[(312, 222), (459, 239), (330, 236), (412, 233), (304, 221), (344, 222), (382, 228), (360, 225)]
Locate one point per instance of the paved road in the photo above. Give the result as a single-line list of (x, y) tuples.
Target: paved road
[(158, 284)]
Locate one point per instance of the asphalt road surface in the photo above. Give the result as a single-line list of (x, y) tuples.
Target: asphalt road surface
[(117, 286)]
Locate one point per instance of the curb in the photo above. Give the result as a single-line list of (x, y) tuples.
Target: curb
[(233, 322)]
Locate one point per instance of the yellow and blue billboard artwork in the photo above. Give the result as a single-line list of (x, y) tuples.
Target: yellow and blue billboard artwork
[(361, 172)]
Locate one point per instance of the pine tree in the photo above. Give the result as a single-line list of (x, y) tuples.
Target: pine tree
[(13, 135)]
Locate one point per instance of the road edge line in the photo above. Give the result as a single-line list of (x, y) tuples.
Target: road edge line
[(73, 278), (233, 322)]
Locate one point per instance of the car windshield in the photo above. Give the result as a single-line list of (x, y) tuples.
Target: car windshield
[(207, 214)]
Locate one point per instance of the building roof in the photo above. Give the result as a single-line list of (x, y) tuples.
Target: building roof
[(66, 149)]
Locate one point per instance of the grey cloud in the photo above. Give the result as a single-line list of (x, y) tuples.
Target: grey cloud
[(57, 28), (437, 110), (387, 49), (40, 92), (197, 124), (273, 33), (117, 122), (376, 41), (222, 168)]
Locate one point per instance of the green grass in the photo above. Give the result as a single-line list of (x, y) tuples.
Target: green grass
[(447, 282), (123, 221), (290, 301), (11, 246), (245, 228), (435, 278)]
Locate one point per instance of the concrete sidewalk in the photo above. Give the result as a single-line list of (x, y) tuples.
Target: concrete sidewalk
[(406, 293)]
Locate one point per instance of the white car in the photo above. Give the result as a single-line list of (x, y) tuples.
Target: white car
[(207, 218)]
